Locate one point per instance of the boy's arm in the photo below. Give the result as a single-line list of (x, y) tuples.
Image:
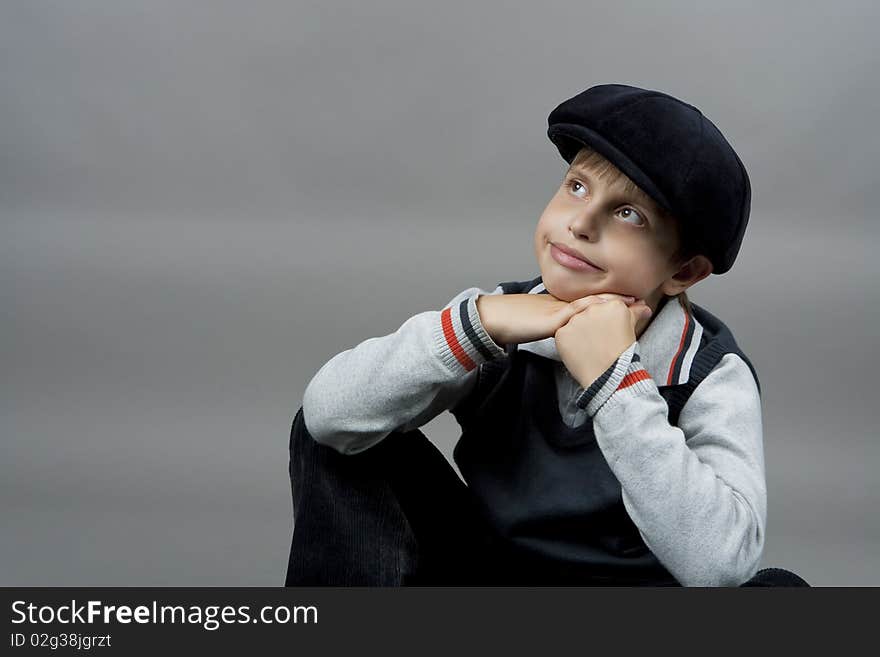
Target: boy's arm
[(696, 491), (400, 381)]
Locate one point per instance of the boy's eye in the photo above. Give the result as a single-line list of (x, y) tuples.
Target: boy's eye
[(576, 188), (630, 212), (574, 183)]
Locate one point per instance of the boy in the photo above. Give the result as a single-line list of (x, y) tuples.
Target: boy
[(611, 429)]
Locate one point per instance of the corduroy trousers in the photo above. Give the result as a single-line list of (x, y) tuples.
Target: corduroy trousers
[(397, 514)]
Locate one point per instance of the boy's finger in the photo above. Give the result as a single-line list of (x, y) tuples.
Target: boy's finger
[(609, 296), (579, 305), (605, 296), (583, 302)]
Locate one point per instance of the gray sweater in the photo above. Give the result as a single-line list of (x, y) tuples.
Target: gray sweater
[(696, 490)]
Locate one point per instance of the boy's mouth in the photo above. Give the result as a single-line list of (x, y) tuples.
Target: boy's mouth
[(568, 257)]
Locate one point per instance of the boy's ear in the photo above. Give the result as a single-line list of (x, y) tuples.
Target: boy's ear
[(693, 271)]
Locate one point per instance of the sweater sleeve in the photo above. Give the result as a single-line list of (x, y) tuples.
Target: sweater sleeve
[(696, 491), (400, 381)]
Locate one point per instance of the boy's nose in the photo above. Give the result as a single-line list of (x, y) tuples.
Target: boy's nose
[(586, 224)]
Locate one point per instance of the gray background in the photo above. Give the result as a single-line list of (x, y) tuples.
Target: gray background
[(203, 202)]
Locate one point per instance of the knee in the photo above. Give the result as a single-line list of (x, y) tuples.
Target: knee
[(776, 577)]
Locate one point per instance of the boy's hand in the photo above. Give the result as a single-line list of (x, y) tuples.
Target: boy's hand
[(593, 339), (518, 318)]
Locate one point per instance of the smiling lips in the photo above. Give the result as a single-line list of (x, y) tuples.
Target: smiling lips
[(572, 259)]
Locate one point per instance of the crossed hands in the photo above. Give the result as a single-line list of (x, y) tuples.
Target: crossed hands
[(590, 332)]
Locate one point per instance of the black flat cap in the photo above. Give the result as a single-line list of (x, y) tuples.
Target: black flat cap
[(671, 151)]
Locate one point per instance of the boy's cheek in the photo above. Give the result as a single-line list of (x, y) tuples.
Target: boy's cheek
[(633, 283)]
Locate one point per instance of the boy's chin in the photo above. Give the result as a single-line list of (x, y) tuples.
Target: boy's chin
[(568, 293)]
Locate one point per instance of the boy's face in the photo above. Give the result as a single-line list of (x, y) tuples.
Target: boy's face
[(621, 232)]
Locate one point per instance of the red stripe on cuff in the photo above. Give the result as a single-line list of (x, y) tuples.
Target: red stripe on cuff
[(452, 340), (633, 377)]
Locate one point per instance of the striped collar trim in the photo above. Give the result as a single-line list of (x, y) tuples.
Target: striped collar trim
[(667, 347)]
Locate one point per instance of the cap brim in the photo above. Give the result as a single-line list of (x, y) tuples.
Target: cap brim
[(569, 138)]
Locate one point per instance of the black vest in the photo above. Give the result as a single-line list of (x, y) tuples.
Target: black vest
[(545, 487)]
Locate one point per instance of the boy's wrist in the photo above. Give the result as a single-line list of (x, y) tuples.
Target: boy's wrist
[(462, 339), (486, 315), (600, 390)]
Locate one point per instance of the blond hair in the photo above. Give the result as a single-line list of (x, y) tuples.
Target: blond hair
[(606, 171)]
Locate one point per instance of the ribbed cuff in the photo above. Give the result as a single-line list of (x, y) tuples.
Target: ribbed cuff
[(623, 373), (461, 340)]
